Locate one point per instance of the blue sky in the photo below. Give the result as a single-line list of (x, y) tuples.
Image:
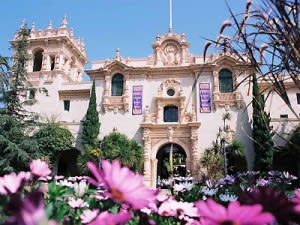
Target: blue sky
[(130, 25)]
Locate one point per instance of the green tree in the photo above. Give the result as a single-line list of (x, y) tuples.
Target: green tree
[(52, 139), (261, 132), (129, 152), (213, 161), (91, 124), (226, 116), (16, 148), (15, 86), (90, 132), (293, 144), (236, 158)]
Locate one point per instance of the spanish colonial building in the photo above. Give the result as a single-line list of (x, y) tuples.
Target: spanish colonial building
[(169, 99)]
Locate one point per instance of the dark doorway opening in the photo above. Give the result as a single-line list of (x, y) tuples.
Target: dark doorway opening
[(67, 165)]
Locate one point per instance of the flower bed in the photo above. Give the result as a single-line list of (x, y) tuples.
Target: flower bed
[(116, 195)]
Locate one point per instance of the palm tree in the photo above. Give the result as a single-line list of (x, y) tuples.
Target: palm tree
[(236, 157), (226, 116)]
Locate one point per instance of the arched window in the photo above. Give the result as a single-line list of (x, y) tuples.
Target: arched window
[(117, 84), (171, 113), (52, 62), (38, 60), (225, 81)]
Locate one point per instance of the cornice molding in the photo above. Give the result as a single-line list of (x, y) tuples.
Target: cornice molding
[(85, 93)]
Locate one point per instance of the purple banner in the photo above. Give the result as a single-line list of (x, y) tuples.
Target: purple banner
[(137, 97), (205, 98)]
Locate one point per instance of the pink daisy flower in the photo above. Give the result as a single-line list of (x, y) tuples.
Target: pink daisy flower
[(211, 213), (88, 215), (12, 183), (27, 211), (121, 184), (77, 203), (39, 168), (106, 218)]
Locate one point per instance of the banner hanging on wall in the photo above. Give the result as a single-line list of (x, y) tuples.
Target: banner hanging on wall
[(137, 100), (205, 97)]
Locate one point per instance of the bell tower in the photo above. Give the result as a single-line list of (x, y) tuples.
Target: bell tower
[(55, 53)]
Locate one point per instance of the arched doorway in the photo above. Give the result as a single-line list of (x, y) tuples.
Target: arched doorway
[(165, 155), (66, 164)]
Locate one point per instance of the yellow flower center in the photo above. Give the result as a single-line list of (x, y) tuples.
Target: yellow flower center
[(116, 194)]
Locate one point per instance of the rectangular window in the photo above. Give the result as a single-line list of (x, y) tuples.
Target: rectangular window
[(31, 94), (298, 98), (66, 105), (284, 116)]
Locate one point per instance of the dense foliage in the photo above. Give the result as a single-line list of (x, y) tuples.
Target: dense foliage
[(14, 83), (261, 134), (294, 143), (236, 157), (213, 161), (121, 198), (90, 132), (91, 124), (129, 152), (16, 148), (52, 139)]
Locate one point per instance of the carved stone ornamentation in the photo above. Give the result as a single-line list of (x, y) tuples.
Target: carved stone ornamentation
[(170, 55)]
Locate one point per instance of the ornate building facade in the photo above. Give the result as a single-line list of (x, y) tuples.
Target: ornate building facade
[(169, 101)]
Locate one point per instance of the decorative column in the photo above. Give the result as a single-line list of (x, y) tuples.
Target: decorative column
[(154, 172), (216, 81), (45, 62), (195, 154), (126, 94), (107, 85), (147, 116), (216, 94), (147, 156)]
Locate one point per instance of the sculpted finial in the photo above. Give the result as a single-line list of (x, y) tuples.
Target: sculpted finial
[(33, 27), (50, 24), (23, 23), (64, 22), (118, 55)]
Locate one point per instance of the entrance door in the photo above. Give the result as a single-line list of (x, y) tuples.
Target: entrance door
[(167, 154)]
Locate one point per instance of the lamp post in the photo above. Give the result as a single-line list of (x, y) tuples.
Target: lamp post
[(223, 136), (100, 150)]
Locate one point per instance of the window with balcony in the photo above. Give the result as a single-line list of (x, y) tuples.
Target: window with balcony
[(225, 81), (117, 85)]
